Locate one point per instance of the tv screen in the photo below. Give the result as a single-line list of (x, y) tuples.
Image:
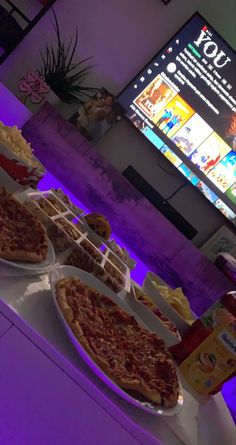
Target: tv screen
[(184, 102)]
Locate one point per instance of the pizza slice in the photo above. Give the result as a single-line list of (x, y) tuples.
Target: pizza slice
[(22, 235)]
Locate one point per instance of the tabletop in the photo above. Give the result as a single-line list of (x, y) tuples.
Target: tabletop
[(27, 303)]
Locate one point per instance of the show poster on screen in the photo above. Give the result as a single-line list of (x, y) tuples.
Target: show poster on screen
[(184, 102)]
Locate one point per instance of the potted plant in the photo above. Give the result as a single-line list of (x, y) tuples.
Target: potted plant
[(65, 74)]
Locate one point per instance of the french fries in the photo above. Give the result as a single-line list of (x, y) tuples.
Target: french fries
[(176, 299)]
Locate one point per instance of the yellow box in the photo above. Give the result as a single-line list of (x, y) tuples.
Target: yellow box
[(212, 361)]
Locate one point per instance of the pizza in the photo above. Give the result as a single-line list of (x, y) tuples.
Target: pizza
[(22, 235), (133, 357)]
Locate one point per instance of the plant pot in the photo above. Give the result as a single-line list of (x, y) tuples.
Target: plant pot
[(52, 98)]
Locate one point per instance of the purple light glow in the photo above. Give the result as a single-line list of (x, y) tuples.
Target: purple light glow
[(229, 394), (138, 275)]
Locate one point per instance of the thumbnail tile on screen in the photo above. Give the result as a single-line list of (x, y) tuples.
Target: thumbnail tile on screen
[(136, 120), (224, 174), (209, 153), (155, 96), (149, 133), (231, 193), (192, 134), (173, 116), (188, 174), (207, 192), (170, 154), (225, 209)]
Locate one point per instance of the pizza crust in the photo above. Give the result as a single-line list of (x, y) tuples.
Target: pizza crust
[(20, 255)]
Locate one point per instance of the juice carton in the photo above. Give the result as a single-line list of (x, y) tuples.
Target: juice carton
[(207, 353)]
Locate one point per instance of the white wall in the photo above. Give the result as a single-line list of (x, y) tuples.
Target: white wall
[(122, 35)]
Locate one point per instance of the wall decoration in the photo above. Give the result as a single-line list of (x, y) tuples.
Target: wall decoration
[(96, 116), (224, 240), (34, 87), (15, 24)]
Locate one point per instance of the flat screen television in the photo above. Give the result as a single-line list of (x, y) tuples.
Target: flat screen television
[(184, 102)]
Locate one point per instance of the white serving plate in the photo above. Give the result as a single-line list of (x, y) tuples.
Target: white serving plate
[(60, 272), (165, 307), (28, 268)]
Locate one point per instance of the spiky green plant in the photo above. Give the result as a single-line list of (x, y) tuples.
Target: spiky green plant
[(63, 74)]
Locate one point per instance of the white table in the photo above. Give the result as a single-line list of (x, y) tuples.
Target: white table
[(34, 316)]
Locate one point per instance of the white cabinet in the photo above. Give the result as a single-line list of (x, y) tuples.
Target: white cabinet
[(41, 405)]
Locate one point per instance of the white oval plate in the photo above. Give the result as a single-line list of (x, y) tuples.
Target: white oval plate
[(32, 268), (60, 272)]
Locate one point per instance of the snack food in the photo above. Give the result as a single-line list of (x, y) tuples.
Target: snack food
[(115, 273), (81, 259), (12, 139), (56, 203), (107, 278), (177, 300), (117, 262), (47, 207), (68, 227), (60, 240), (91, 250), (63, 197), (147, 301), (99, 224), (22, 236), (122, 253), (134, 358)]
